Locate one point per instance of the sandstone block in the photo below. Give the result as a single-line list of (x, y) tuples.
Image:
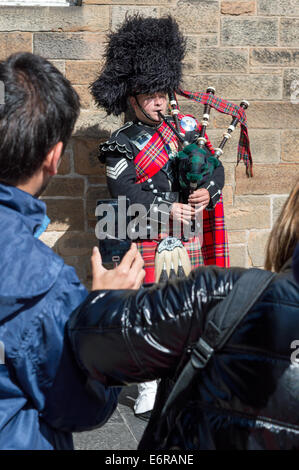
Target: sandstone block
[(227, 193), (65, 165), (76, 244), (94, 193), (98, 180), (67, 187), (86, 99), (51, 239), (289, 146), (238, 255), (82, 72), (248, 213), (278, 7), (130, 2), (266, 70), (237, 87), (289, 32), (86, 157), (69, 45), (195, 17), (208, 40), (59, 64), (268, 179), (96, 125), (237, 237), (223, 59), (66, 214), (291, 84), (281, 57), (264, 144), (118, 13), (86, 18), (238, 7), (249, 32), (277, 205), (229, 170), (192, 55), (11, 43), (257, 247)]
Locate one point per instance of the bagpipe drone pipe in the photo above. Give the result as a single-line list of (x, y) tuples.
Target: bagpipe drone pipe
[(195, 162)]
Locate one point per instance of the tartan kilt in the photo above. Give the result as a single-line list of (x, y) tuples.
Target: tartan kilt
[(147, 249), (214, 249), (215, 241)]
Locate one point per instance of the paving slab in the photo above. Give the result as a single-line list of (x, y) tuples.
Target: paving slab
[(122, 431)]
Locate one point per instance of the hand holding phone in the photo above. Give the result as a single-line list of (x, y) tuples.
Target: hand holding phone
[(129, 274), (112, 213)]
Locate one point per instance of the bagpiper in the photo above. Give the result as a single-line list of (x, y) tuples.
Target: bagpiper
[(143, 67)]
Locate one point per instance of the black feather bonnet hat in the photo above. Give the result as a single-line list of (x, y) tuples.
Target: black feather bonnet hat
[(143, 56)]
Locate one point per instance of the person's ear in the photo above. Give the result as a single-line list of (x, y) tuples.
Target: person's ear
[(52, 159), (132, 101)]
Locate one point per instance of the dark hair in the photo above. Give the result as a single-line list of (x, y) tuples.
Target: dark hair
[(40, 109)]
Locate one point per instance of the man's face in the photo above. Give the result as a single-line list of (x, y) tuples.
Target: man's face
[(151, 103)]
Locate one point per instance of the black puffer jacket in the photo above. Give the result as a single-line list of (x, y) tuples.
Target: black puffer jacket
[(248, 395)]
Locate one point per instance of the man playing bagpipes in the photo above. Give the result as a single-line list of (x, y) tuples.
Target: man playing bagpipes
[(148, 159)]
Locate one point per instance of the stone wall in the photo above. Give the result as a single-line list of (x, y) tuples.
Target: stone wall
[(245, 49)]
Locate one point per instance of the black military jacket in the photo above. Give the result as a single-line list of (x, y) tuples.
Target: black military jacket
[(118, 154)]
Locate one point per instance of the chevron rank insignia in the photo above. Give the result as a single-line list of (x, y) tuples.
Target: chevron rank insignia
[(116, 171)]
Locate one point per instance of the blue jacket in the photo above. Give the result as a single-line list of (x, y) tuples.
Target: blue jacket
[(44, 396)]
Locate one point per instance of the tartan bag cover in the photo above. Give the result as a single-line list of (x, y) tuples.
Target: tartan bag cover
[(226, 107), (154, 156), (214, 250)]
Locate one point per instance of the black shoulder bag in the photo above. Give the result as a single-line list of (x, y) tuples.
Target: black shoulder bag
[(221, 323)]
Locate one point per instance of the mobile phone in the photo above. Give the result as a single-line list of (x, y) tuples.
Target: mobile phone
[(111, 230)]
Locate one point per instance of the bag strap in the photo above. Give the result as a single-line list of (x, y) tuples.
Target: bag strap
[(223, 320)]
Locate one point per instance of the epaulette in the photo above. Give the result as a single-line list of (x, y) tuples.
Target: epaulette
[(115, 143)]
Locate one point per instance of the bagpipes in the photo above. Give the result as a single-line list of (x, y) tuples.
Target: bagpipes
[(196, 165)]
